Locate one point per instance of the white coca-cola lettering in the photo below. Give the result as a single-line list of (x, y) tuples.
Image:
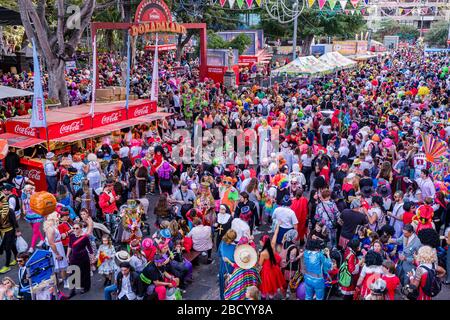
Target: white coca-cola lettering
[(141, 111), (72, 127), (34, 174), (113, 117), (26, 131)]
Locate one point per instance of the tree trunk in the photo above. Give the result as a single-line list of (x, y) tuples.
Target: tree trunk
[(57, 82), (306, 45), (180, 45)]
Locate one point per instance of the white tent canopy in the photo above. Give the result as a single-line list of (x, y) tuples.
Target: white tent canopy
[(337, 60), (307, 66), (8, 92)]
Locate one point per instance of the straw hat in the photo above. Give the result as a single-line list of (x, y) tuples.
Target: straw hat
[(123, 256), (245, 256)]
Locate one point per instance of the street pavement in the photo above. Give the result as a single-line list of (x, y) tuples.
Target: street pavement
[(205, 284)]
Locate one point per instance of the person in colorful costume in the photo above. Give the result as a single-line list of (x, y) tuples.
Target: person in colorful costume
[(228, 194)]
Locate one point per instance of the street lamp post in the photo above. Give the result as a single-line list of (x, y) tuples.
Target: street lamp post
[(294, 39)]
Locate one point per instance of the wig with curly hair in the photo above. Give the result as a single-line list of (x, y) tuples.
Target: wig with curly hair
[(426, 254), (429, 237), (373, 258)]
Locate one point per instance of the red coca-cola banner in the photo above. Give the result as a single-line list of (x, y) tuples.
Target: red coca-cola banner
[(34, 170), (103, 119), (68, 127), (23, 129), (142, 109)]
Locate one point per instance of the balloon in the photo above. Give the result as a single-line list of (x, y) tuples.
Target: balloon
[(445, 69), (239, 102), (301, 291), (228, 104), (423, 91), (255, 101), (3, 148)]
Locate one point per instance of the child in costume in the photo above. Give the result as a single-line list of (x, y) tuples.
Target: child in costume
[(229, 194), (105, 260)]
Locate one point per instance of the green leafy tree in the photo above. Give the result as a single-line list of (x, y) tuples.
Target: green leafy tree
[(57, 33), (394, 28), (315, 23), (241, 42), (438, 34)]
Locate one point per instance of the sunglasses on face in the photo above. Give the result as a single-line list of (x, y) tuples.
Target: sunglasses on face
[(226, 182), (76, 228)]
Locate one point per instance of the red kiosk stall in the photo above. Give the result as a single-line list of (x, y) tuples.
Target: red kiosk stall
[(68, 125)]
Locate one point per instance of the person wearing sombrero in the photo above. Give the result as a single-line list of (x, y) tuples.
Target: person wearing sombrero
[(244, 274)]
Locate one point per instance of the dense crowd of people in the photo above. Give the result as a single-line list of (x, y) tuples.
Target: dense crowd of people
[(354, 205)]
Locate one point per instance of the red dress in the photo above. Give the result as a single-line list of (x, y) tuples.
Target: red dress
[(272, 278), (300, 207), (423, 281)]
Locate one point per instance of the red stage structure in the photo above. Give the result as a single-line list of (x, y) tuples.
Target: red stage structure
[(153, 13)]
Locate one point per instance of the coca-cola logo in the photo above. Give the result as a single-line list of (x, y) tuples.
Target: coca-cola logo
[(26, 131), (34, 174), (113, 117), (141, 111), (72, 127)]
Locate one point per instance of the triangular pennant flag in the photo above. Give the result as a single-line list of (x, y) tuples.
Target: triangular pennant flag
[(322, 3), (258, 2), (363, 10), (366, 1), (231, 2), (310, 3), (400, 10), (332, 3), (354, 3), (249, 3), (240, 3), (222, 2), (346, 12), (353, 12), (343, 3)]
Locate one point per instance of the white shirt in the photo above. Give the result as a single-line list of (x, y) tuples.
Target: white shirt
[(306, 161), (123, 152), (126, 289), (285, 216)]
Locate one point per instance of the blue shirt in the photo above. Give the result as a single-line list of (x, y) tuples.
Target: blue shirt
[(316, 263)]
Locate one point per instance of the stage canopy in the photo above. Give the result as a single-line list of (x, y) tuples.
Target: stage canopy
[(8, 92), (337, 61), (304, 66)]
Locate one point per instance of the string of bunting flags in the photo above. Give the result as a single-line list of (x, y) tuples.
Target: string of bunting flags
[(355, 6)]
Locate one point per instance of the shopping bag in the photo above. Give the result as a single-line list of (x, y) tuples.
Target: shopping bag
[(21, 244)]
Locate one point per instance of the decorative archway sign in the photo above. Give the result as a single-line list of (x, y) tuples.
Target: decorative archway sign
[(154, 16)]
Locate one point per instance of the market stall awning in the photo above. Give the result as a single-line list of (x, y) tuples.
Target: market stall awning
[(81, 135), (21, 142), (96, 132), (8, 92)]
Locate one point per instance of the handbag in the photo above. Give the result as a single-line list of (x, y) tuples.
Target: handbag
[(21, 244), (410, 291), (333, 222)]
